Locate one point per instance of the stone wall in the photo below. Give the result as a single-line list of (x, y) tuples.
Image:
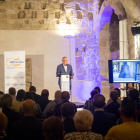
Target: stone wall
[(114, 33), (84, 18), (104, 52), (37, 15), (28, 73)]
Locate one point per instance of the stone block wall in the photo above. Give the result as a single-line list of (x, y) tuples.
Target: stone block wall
[(104, 52), (83, 18), (37, 15), (114, 33), (28, 73)]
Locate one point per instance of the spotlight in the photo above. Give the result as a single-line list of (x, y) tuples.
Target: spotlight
[(135, 28)]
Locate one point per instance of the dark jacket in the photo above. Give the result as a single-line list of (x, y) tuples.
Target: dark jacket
[(43, 103), (69, 125), (58, 107), (103, 121), (36, 97), (12, 117), (60, 69), (29, 128), (113, 108)]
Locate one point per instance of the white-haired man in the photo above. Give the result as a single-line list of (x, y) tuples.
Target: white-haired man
[(83, 122)]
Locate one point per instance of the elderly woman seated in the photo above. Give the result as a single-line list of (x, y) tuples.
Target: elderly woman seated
[(83, 122)]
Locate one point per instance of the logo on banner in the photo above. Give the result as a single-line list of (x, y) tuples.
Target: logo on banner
[(22, 77), (13, 62), (15, 77), (8, 77), (15, 84), (7, 84), (22, 84)]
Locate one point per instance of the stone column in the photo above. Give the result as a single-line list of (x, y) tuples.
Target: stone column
[(124, 46)]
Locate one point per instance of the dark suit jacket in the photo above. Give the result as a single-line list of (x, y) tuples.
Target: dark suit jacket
[(58, 107), (12, 117), (29, 128), (60, 69), (69, 125), (113, 108), (36, 97), (103, 122), (43, 103)]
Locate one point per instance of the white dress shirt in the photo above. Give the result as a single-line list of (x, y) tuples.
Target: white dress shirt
[(65, 67)]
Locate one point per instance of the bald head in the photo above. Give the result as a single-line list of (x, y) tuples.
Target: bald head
[(57, 94), (65, 95), (29, 107), (98, 101)]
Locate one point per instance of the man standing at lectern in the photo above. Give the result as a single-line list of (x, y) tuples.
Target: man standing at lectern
[(64, 68)]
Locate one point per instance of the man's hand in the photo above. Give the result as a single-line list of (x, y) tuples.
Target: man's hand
[(72, 77)]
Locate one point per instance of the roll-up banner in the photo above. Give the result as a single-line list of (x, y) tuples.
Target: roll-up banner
[(14, 63)]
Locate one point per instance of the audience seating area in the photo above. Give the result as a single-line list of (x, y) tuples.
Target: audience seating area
[(29, 116)]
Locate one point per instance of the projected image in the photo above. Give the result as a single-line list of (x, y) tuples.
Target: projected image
[(126, 71)]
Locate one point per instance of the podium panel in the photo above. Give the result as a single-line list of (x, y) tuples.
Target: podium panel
[(65, 83)]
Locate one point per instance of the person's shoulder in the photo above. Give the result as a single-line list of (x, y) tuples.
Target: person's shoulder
[(113, 132), (38, 95), (69, 136), (73, 103), (110, 115), (60, 65), (15, 113), (69, 65), (58, 105), (95, 135), (90, 100)]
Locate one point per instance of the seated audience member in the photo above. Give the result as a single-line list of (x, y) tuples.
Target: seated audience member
[(1, 93), (119, 91), (134, 95), (49, 109), (44, 100), (53, 129), (129, 130), (29, 128), (83, 122), (89, 103), (13, 116), (118, 99), (37, 97), (3, 125), (12, 92), (29, 95), (129, 89), (97, 88), (19, 100), (103, 121), (65, 98), (67, 115), (114, 105)]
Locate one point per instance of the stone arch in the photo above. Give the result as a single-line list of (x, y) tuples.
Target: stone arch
[(107, 20)]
